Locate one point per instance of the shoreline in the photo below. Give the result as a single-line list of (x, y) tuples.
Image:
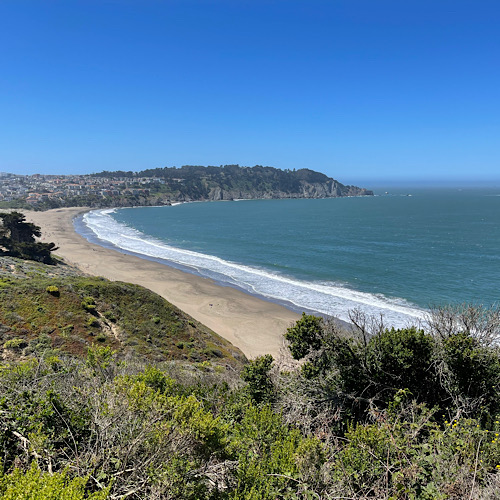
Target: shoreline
[(82, 230), (254, 325)]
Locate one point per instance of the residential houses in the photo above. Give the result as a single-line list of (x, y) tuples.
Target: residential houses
[(37, 188)]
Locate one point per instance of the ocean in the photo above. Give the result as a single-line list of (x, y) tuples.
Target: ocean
[(396, 253)]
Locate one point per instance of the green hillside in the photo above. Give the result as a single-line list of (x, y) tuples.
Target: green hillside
[(55, 307)]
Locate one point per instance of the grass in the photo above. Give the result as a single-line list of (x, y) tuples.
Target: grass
[(57, 307)]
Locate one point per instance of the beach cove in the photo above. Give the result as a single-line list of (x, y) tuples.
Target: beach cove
[(253, 325)]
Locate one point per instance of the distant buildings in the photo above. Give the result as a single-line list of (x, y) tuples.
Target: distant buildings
[(34, 189)]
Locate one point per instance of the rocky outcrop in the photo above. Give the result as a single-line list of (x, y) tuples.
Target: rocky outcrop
[(329, 189)]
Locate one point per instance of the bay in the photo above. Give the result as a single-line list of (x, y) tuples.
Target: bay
[(394, 254)]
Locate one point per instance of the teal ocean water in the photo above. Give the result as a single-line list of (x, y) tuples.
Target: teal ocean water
[(390, 254)]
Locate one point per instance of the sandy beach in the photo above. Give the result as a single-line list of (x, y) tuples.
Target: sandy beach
[(252, 324)]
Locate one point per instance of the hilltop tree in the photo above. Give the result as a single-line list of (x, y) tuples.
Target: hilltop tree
[(17, 239)]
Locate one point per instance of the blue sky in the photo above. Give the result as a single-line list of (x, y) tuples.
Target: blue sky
[(363, 90)]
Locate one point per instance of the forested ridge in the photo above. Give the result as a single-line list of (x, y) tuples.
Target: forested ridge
[(109, 391), (232, 181)]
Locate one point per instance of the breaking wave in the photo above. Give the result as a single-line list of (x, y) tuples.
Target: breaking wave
[(327, 298)]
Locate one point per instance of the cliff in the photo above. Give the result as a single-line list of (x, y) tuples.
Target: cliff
[(330, 189)]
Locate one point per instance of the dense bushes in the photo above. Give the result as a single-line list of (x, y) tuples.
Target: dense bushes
[(143, 434), (457, 374), (35, 484), (391, 414)]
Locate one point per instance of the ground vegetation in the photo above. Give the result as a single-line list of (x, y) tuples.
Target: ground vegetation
[(358, 412)]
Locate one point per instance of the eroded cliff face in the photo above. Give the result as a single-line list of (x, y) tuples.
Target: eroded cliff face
[(330, 189)]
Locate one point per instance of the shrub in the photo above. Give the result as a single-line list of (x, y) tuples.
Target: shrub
[(88, 304), (17, 343), (471, 373), (36, 484), (99, 358), (53, 290), (110, 315), (456, 373), (92, 322), (256, 373), (304, 336)]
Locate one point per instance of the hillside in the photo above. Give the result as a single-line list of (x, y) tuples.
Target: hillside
[(230, 182), (56, 307), (162, 186)]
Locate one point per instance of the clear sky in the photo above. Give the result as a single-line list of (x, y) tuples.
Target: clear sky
[(362, 90)]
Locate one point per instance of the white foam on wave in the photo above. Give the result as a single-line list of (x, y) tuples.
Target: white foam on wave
[(327, 297)]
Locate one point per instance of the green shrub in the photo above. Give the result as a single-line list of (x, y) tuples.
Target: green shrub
[(304, 336), (256, 373), (99, 357), (53, 290), (34, 484), (110, 315), (92, 322), (88, 304), (17, 343), (473, 373), (269, 457)]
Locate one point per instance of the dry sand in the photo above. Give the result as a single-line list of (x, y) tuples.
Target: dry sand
[(252, 324)]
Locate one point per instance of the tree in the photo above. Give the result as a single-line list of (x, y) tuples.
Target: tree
[(17, 229), (305, 335), (256, 373), (17, 239)]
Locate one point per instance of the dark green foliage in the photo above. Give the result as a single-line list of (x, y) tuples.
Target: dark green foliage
[(402, 359), (256, 374), (405, 453), (304, 336), (472, 373), (455, 374), (17, 230), (17, 239)]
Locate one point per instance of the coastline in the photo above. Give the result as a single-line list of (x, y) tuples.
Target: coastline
[(254, 325)]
